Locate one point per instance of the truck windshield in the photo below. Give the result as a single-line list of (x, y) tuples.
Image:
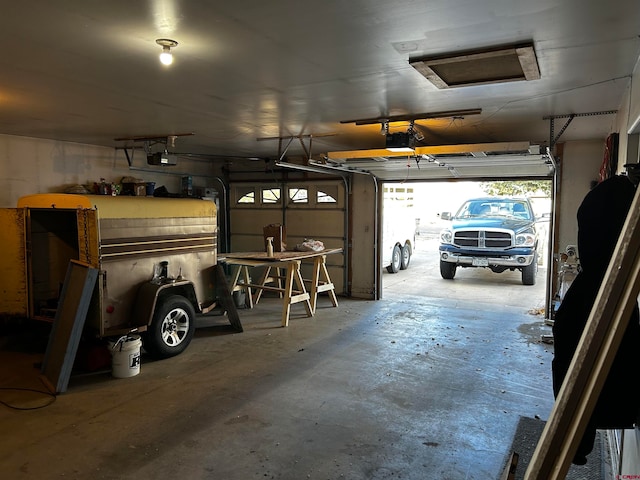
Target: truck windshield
[(495, 208)]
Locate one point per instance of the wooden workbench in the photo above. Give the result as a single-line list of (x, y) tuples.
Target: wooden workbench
[(294, 290)]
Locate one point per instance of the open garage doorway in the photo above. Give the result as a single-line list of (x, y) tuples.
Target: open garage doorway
[(422, 205)]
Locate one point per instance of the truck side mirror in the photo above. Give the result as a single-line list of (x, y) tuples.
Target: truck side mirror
[(445, 215)]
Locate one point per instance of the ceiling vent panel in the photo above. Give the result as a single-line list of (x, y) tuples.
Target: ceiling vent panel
[(480, 67)]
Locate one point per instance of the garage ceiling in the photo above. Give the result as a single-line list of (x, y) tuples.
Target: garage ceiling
[(283, 79)]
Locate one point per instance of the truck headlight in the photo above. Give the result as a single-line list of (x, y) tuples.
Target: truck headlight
[(525, 240), (446, 236)]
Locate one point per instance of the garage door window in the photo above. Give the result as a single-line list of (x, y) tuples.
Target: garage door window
[(270, 195), (328, 194), (298, 195), (246, 195)]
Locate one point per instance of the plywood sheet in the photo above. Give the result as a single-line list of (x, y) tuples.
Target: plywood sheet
[(68, 324)]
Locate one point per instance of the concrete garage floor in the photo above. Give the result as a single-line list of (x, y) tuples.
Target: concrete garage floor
[(416, 386)]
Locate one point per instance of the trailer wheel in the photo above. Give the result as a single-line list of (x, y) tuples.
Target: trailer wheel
[(172, 327), (405, 256), (396, 260)]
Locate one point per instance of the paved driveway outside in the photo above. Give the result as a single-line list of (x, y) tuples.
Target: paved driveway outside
[(470, 284)]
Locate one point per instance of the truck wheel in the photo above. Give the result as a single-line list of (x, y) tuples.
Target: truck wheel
[(405, 256), (396, 260), (447, 270), (172, 327), (529, 272)]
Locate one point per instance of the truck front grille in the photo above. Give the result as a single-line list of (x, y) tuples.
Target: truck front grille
[(482, 239)]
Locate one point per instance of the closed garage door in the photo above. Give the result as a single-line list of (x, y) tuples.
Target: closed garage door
[(307, 211)]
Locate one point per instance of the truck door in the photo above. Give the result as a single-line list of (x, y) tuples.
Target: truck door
[(14, 296)]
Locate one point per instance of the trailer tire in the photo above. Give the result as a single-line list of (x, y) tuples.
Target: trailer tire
[(171, 329), (396, 260), (405, 256)]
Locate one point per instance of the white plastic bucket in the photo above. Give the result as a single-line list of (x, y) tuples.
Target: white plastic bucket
[(125, 356)]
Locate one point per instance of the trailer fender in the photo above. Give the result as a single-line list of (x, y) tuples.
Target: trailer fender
[(150, 292)]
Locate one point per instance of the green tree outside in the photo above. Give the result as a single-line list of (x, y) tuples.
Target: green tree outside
[(518, 188)]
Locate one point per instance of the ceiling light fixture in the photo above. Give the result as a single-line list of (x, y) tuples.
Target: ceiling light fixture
[(401, 149), (166, 57)]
